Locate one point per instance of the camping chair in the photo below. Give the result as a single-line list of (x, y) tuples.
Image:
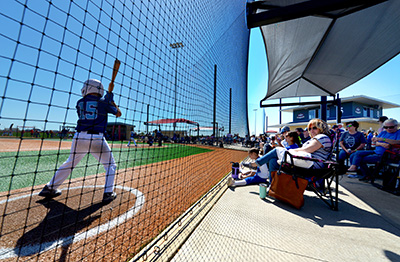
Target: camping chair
[(320, 181)]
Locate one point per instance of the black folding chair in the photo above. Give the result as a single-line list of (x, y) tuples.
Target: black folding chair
[(320, 180)]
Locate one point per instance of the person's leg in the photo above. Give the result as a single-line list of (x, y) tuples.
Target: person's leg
[(102, 152), (371, 159), (265, 159), (134, 141), (247, 181), (78, 151), (255, 180), (358, 158), (342, 156)]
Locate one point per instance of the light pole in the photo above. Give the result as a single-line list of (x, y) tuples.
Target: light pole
[(255, 123), (176, 46)]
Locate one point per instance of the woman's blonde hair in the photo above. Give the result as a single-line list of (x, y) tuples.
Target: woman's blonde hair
[(320, 124)]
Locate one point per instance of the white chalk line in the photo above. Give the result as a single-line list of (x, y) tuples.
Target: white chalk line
[(43, 247)]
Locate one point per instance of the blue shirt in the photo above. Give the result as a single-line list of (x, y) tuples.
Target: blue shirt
[(352, 141), (294, 146), (92, 112), (379, 150)]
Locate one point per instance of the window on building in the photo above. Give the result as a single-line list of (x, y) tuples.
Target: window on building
[(371, 112), (365, 111), (312, 114)]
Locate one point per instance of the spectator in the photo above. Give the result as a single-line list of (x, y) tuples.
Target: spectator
[(300, 133), (381, 120), (351, 141), (306, 136), (369, 139), (281, 139), (292, 138), (390, 136), (251, 177), (270, 145), (319, 147)]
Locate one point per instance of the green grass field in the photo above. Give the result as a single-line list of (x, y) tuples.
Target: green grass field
[(31, 168)]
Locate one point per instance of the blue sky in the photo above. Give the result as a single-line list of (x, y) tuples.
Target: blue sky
[(383, 83)]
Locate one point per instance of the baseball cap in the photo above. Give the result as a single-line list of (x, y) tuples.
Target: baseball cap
[(383, 119), (284, 129), (335, 126), (299, 129)]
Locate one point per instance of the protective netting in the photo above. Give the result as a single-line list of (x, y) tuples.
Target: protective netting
[(174, 55)]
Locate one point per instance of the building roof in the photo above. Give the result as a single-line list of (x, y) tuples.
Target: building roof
[(360, 99)]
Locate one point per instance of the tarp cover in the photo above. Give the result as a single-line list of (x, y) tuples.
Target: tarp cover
[(170, 121), (321, 55)]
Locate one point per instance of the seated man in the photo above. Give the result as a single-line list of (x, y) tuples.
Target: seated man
[(384, 140)]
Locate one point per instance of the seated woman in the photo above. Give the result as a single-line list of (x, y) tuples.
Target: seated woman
[(293, 140), (351, 141), (251, 177), (384, 140), (319, 146)]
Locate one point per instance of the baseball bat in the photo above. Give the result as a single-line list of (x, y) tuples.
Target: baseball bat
[(117, 63)]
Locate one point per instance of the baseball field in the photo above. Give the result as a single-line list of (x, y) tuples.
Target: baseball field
[(154, 186)]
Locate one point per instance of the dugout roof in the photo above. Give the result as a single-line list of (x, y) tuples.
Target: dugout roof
[(170, 121), (318, 48)]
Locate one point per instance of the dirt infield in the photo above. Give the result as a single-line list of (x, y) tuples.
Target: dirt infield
[(77, 226), (15, 144)]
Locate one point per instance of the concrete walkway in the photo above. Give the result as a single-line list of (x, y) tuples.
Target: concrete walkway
[(243, 227)]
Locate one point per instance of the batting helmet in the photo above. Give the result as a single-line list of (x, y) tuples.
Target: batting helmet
[(92, 86)]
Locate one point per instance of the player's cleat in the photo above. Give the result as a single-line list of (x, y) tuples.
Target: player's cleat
[(108, 197), (49, 193)]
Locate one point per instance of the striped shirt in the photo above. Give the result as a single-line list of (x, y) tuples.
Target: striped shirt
[(323, 152)]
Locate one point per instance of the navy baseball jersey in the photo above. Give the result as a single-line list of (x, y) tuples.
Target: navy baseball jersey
[(92, 112)]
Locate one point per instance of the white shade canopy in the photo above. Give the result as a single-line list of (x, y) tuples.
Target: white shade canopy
[(323, 53)]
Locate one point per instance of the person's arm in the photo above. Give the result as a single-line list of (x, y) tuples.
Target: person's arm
[(248, 174), (311, 147), (387, 140), (342, 146), (383, 144), (360, 147)]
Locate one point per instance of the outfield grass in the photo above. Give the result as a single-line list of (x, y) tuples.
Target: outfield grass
[(31, 168)]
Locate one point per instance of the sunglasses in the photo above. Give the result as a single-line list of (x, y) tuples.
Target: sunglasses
[(349, 125), (314, 128), (389, 127)]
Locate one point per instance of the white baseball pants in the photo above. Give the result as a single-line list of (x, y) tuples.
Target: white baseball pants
[(82, 144)]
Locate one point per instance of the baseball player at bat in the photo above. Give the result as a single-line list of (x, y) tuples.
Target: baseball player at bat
[(92, 111)]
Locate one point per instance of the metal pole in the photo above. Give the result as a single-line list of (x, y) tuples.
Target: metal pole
[(280, 111), (255, 121), (147, 126), (230, 110), (215, 100), (176, 84), (338, 109), (323, 108), (176, 46)]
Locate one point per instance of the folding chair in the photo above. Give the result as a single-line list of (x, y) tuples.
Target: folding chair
[(320, 180)]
